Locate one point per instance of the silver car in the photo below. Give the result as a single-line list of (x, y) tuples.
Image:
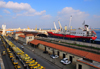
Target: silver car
[(65, 61)]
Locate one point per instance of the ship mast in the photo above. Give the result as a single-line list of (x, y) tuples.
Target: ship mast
[(70, 21)]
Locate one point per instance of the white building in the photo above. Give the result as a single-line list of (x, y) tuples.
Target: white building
[(4, 29), (26, 38)]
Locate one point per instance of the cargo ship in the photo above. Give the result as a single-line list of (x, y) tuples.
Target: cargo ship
[(81, 33)]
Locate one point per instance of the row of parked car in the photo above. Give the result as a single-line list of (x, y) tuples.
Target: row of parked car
[(27, 61), (64, 60), (13, 59), (11, 56)]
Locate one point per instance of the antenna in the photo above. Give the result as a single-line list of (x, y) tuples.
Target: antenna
[(36, 27), (83, 23), (70, 21)]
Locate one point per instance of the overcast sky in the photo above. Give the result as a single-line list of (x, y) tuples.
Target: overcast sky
[(42, 13)]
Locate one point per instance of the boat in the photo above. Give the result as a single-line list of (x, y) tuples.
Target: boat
[(83, 33)]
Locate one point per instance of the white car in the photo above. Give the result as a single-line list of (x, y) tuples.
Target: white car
[(54, 56), (24, 44), (65, 61)]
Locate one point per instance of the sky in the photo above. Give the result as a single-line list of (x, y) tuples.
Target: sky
[(42, 13)]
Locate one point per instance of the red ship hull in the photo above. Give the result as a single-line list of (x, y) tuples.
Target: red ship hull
[(72, 36)]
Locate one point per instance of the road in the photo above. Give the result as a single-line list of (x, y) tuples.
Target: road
[(6, 60), (40, 60)]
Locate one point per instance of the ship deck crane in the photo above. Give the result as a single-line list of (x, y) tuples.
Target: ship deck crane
[(60, 25)]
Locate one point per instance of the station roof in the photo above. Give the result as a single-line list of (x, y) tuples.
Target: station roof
[(89, 55), (23, 36), (96, 65), (35, 42), (29, 34)]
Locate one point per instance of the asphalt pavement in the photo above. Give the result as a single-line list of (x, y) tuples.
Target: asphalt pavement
[(40, 60)]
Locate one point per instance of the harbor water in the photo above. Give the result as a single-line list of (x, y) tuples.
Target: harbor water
[(98, 35)]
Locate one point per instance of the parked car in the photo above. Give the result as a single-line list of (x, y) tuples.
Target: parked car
[(3, 53), (15, 62), (65, 61), (24, 44), (54, 56), (34, 59), (17, 67)]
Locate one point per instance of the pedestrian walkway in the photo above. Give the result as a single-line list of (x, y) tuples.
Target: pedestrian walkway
[(48, 58), (1, 62)]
